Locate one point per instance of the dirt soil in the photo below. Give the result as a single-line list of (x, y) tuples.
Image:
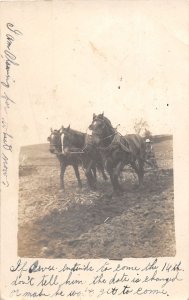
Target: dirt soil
[(89, 224)]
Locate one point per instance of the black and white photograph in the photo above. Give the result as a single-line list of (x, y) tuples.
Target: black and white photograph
[(104, 195), (97, 180)]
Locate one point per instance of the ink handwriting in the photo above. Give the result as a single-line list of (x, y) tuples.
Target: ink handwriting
[(76, 280), (8, 56), (9, 61)]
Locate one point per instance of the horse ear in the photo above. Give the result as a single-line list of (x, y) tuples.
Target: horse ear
[(94, 116), (51, 129), (68, 128), (102, 114)]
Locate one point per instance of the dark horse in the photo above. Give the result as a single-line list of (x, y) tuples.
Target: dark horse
[(71, 154), (64, 159), (89, 154), (118, 150)]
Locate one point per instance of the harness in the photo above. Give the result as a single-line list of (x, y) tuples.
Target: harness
[(87, 142), (117, 141), (129, 144)]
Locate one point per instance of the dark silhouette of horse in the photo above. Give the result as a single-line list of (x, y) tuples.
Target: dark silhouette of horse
[(118, 150), (90, 155), (64, 159), (70, 152)]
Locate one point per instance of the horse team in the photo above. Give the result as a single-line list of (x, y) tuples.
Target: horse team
[(104, 149)]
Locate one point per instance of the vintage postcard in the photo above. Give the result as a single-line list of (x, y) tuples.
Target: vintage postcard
[(94, 149)]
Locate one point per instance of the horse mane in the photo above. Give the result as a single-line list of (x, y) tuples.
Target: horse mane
[(74, 138), (107, 121)]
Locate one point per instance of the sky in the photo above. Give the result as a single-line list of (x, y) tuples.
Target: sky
[(82, 57)]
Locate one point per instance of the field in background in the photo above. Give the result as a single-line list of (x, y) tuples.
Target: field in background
[(87, 224)]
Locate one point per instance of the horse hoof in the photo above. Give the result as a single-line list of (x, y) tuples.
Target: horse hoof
[(121, 189), (136, 186), (118, 193), (109, 195), (93, 188), (113, 194), (141, 187), (79, 189)]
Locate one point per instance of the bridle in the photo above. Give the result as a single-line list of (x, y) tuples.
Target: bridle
[(59, 143), (105, 125)]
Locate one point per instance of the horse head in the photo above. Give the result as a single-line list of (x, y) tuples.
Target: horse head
[(101, 128), (55, 141)]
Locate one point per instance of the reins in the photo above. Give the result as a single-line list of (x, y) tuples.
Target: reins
[(75, 152), (60, 145), (110, 135), (109, 146), (83, 149)]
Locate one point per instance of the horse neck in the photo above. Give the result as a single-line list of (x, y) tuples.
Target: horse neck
[(108, 136), (80, 141), (78, 138)]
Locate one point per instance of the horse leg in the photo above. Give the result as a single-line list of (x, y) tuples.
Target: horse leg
[(76, 169), (90, 179), (62, 171), (136, 169), (105, 177), (139, 170), (89, 175), (94, 172), (110, 170), (101, 169), (116, 173)]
